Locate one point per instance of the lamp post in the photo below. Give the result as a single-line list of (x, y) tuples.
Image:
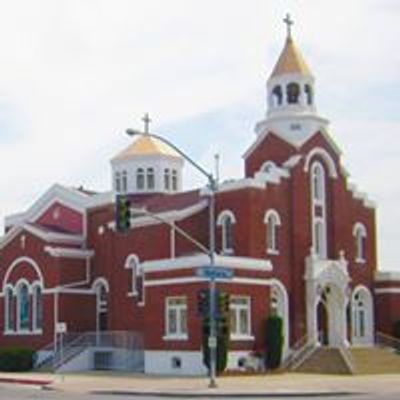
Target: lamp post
[(212, 184)]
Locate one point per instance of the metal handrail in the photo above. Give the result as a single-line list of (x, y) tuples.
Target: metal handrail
[(385, 340), (298, 350)]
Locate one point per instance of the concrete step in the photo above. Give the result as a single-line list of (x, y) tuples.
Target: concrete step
[(324, 360), (376, 360)]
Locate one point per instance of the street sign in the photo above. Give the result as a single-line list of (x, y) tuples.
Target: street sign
[(215, 272), (212, 342), (61, 327)]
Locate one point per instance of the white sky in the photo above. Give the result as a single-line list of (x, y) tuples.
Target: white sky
[(75, 74)]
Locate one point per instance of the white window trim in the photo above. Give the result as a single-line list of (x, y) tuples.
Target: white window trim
[(35, 328), (18, 328), (272, 213), (179, 335), (223, 215), (322, 204), (237, 308), (359, 231), (6, 309)]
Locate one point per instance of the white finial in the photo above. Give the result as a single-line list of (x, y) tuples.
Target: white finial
[(289, 22), (146, 119)]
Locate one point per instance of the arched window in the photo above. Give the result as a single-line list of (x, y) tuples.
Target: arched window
[(140, 179), (37, 309), (277, 96), (268, 166), (137, 277), (101, 290), (309, 94), (174, 180), (360, 234), (318, 182), (118, 182), (167, 179), (150, 178), (9, 309), (318, 204), (226, 220), (292, 93), (272, 221), (23, 306), (124, 185)]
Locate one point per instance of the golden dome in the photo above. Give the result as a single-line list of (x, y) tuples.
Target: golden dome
[(147, 146), (290, 61)]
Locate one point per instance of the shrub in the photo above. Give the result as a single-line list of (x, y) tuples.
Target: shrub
[(274, 342), (15, 359)]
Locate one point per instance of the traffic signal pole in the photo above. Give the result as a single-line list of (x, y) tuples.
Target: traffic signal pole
[(212, 344), (212, 183)]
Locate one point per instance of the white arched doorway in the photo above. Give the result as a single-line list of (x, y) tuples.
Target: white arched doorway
[(362, 317), (279, 304), (327, 287)]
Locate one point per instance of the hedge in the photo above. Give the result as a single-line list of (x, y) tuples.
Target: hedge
[(15, 359), (273, 342)]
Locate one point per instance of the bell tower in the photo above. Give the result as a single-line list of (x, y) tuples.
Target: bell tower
[(291, 107)]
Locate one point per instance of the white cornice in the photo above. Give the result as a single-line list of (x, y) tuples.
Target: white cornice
[(265, 128), (69, 197), (167, 216), (66, 252), (352, 188), (51, 237), (387, 276), (189, 262)]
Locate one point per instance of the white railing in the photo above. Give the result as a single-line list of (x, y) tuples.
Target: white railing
[(125, 349), (384, 340), (301, 350), (348, 358)]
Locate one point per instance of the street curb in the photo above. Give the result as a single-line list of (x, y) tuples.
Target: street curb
[(33, 382), (223, 394)]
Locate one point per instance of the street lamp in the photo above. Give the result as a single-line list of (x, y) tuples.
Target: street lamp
[(212, 184)]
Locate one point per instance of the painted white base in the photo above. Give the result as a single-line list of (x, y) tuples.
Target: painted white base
[(174, 362), (191, 362)]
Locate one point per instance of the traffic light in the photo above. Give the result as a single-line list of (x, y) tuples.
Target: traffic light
[(223, 304), (123, 213), (203, 302)]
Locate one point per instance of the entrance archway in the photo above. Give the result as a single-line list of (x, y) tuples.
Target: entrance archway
[(327, 287), (323, 329)]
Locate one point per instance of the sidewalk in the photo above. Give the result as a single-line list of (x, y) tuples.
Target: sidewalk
[(262, 385)]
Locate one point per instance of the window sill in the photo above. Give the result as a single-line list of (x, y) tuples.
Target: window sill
[(227, 252), (242, 338), (175, 337), (273, 252), (132, 294), (360, 261), (24, 333)]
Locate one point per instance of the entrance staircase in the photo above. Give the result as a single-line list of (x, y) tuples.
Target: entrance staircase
[(325, 360), (383, 358), (119, 350)]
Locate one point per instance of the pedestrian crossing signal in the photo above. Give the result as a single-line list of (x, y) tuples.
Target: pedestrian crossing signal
[(123, 213)]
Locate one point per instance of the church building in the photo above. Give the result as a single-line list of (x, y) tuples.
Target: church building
[(298, 237)]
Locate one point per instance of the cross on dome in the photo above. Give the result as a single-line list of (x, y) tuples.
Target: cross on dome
[(146, 119), (289, 22)]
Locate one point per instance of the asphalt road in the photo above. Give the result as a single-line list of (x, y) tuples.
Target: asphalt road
[(17, 392)]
